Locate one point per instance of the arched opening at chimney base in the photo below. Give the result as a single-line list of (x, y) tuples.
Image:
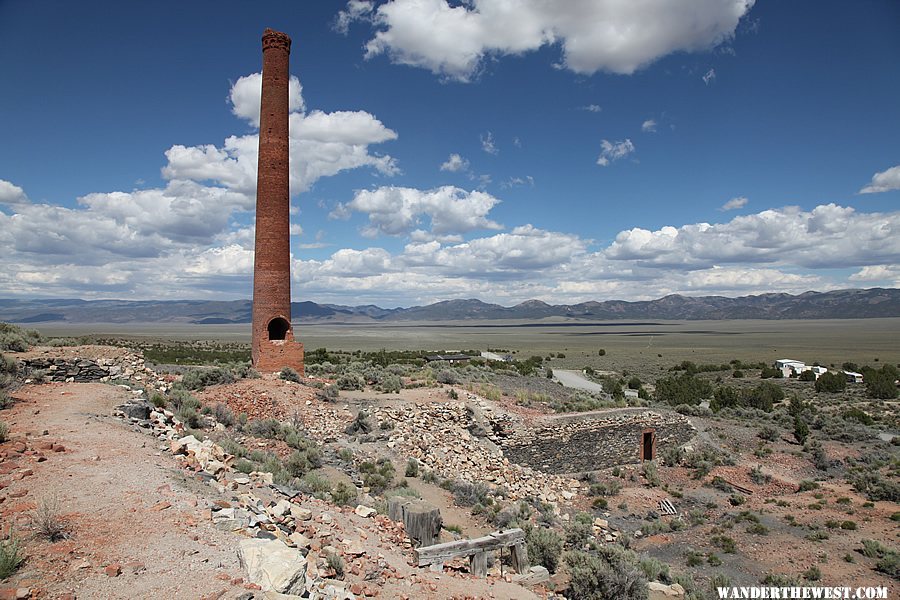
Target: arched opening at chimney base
[(278, 328)]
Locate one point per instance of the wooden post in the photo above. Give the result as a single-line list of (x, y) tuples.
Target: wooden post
[(478, 564), (519, 558), (421, 520)]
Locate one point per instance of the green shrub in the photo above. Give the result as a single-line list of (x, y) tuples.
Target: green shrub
[(300, 463), (579, 530), (158, 400), (10, 557), (758, 529), (726, 544), (683, 389), (470, 494), (812, 574), (693, 558), (801, 429), (289, 374), (377, 476), (189, 416), (606, 488), (651, 473), (807, 485), (343, 494), (544, 547), (412, 468), (880, 384), (263, 428), (857, 415), (831, 383), (223, 414), (311, 483), (768, 433), (611, 575), (336, 563), (197, 379), (245, 466), (4, 432)]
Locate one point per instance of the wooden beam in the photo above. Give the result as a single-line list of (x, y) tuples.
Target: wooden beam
[(427, 555)]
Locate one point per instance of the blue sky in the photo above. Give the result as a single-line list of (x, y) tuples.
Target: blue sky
[(577, 151)]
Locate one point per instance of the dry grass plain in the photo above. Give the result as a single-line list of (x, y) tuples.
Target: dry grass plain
[(648, 347)]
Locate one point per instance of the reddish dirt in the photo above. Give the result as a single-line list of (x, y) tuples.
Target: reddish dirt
[(138, 525), (122, 503)]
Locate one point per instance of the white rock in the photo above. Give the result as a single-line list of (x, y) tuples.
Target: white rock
[(273, 566), (365, 511), (300, 513), (280, 509), (661, 591)]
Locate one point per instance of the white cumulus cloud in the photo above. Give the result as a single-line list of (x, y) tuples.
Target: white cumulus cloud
[(885, 181), (594, 35), (455, 163), (648, 126), (322, 144), (11, 194), (400, 210)]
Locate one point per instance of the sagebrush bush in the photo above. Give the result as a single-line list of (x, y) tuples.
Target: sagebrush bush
[(263, 428), (344, 495), (197, 379), (651, 473), (470, 494), (223, 414), (289, 374), (544, 547), (4, 432), (188, 415), (351, 381), (377, 476), (596, 577)]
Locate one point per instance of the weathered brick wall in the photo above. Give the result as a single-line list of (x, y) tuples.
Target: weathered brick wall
[(596, 441)]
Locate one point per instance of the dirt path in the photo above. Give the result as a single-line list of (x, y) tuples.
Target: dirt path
[(122, 501), (137, 525)]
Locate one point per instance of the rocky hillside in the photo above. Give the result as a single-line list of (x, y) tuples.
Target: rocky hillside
[(840, 304)]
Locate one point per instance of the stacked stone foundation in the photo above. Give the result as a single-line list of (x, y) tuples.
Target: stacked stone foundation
[(596, 441)]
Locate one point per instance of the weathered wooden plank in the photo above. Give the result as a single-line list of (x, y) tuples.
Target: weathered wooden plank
[(739, 488), (478, 564), (519, 557), (461, 548)]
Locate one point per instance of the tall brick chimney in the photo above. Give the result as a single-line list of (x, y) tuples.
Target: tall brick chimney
[(273, 344)]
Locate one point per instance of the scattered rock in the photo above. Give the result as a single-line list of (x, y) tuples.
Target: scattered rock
[(273, 566)]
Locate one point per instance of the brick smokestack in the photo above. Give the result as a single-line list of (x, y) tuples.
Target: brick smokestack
[(273, 344)]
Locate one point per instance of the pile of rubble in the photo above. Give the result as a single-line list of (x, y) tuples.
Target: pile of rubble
[(439, 436), (293, 544), (283, 400), (124, 365)]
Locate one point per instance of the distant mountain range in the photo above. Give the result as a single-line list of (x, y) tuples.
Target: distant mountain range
[(841, 304)]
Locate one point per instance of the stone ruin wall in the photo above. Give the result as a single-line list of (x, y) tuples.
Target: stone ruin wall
[(591, 442)]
